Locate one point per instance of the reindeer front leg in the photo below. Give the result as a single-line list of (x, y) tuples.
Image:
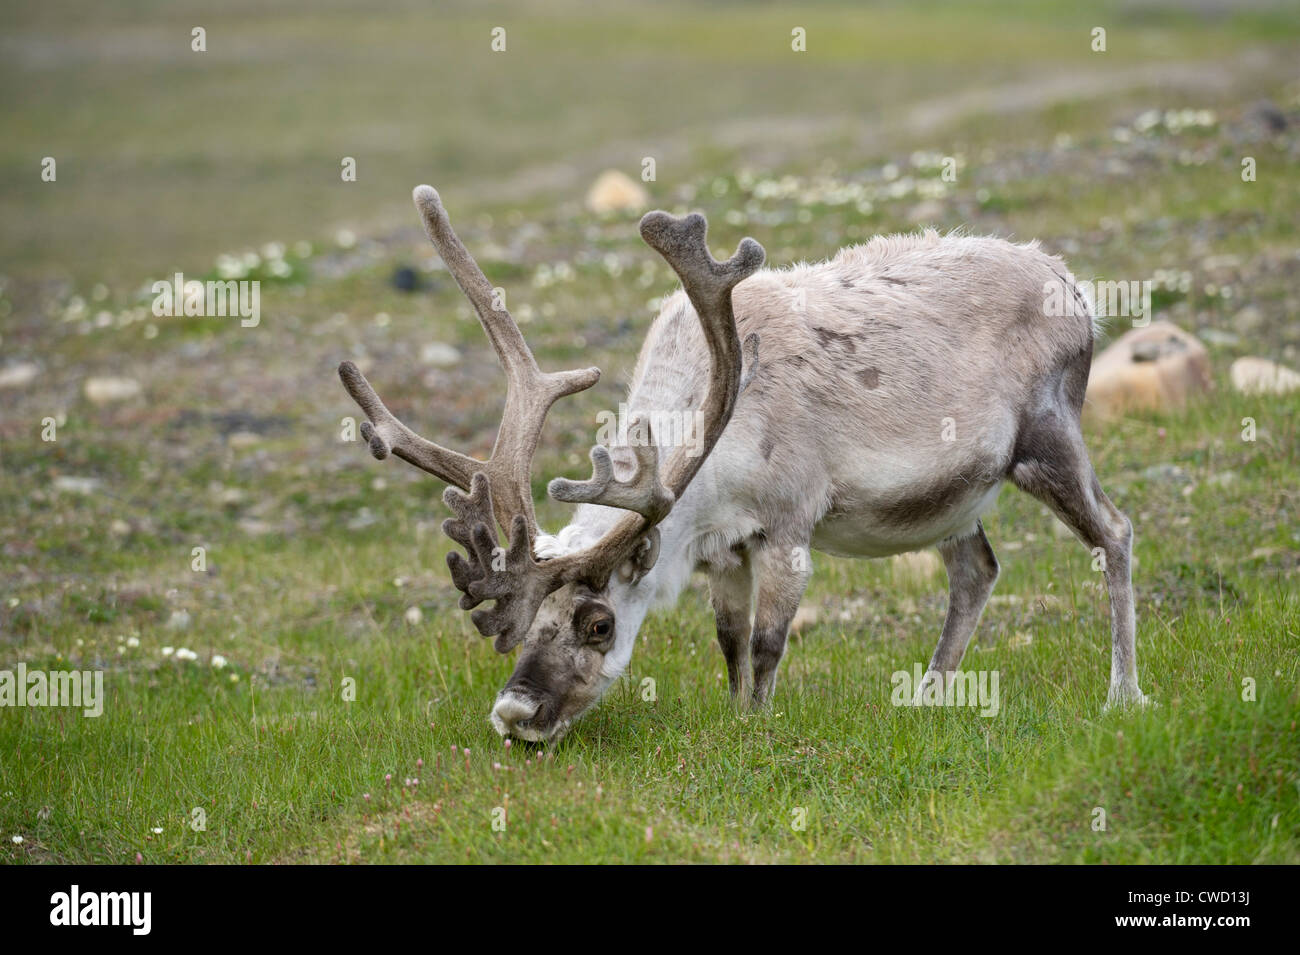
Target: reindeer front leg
[(731, 591), (781, 573)]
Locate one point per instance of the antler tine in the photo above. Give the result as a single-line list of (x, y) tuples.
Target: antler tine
[(385, 434), (530, 392), (643, 494), (708, 284), (511, 577)]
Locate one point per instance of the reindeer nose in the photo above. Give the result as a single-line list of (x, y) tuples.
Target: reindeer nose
[(511, 714)]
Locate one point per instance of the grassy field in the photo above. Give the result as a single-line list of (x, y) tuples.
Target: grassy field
[(324, 566)]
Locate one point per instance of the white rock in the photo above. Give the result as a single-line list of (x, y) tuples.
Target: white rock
[(15, 376), (1159, 366), (440, 354), (615, 191), (102, 391), (1259, 376), (414, 615), (243, 439)]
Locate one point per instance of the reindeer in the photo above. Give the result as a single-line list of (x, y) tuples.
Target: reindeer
[(900, 384)]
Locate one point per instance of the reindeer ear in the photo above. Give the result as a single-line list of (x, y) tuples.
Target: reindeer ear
[(640, 562)]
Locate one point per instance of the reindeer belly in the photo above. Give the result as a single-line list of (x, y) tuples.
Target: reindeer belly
[(870, 526)]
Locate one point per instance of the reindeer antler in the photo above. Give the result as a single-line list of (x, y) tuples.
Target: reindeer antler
[(708, 284), (530, 392), (642, 494), (499, 489)]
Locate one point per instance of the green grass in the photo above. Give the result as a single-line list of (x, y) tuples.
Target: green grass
[(316, 554)]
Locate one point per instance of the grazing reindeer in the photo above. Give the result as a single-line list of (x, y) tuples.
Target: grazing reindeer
[(899, 385)]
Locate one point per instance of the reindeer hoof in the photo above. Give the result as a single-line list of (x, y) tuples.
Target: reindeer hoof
[(1124, 697)]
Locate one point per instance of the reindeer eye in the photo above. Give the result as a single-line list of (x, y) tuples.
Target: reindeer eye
[(600, 628)]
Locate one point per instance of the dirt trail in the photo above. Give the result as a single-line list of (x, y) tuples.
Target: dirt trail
[(779, 138)]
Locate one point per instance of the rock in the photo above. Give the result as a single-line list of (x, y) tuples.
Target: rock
[(414, 616), (440, 354), (1153, 368), (918, 567), (1266, 113), (243, 439), (614, 191), (15, 376), (1248, 320), (1218, 338), (1259, 376), (179, 620), (405, 279), (103, 391)]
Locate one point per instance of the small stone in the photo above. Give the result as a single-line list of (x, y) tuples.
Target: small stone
[(1218, 338), (1248, 321), (615, 191), (1259, 376), (243, 439), (1268, 115), (15, 376), (103, 391), (405, 279), (440, 354), (179, 620), (414, 616)]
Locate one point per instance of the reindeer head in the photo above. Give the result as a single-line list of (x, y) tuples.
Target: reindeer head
[(565, 608)]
